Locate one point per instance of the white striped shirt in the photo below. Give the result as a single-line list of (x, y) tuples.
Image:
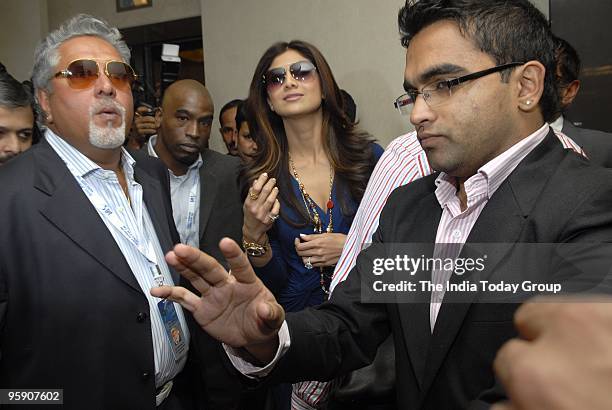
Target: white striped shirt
[(403, 162), (185, 195), (136, 218)]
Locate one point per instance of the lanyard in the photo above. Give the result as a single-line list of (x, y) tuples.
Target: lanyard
[(105, 209), (193, 196)]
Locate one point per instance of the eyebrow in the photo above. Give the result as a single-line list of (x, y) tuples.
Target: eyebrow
[(206, 117), (435, 71)]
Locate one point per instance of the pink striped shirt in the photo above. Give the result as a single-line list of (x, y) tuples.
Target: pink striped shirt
[(455, 224)]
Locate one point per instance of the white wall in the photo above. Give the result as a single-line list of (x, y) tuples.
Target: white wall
[(23, 23), (161, 10), (359, 38)]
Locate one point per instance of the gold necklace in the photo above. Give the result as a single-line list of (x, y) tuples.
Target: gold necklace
[(315, 218)]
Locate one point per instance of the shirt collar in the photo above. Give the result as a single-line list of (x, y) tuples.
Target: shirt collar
[(557, 124), (492, 174)]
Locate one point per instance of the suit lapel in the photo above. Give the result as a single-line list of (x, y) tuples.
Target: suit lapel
[(209, 188), (501, 223), (414, 317), (154, 200), (71, 212)]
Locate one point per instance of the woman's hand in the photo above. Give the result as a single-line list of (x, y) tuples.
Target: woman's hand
[(261, 208), (320, 249)]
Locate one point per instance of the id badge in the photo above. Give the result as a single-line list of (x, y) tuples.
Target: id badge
[(176, 336)]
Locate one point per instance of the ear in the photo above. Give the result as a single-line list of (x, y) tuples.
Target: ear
[(43, 101), (569, 93), (530, 85), (158, 117)]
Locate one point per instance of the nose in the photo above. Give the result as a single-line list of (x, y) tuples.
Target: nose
[(104, 86), (290, 82), (10, 144), (421, 112), (192, 129)]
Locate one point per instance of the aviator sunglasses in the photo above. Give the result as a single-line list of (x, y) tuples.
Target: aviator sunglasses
[(83, 73), (301, 71)]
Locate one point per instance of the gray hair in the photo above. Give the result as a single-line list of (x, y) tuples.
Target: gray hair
[(46, 56), (13, 94)]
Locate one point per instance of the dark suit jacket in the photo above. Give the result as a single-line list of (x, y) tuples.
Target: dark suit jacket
[(596, 144), (220, 216), (553, 196), (72, 315)]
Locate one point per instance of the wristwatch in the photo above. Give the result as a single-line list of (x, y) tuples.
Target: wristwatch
[(254, 249)]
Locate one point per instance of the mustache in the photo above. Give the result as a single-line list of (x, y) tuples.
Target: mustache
[(106, 103)]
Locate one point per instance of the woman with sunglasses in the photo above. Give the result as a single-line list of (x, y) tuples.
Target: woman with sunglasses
[(304, 184)]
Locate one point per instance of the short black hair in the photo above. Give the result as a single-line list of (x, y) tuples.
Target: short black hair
[(507, 30), (241, 114), (13, 94), (568, 62), (229, 105)]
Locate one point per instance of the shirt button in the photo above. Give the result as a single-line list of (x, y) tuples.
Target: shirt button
[(456, 234), (141, 317)]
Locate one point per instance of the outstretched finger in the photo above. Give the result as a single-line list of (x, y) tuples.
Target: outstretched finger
[(177, 294), (199, 268), (238, 261), (255, 189)]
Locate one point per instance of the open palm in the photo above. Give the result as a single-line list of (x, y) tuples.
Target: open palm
[(235, 308)]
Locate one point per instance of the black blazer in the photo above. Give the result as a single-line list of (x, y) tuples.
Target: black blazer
[(72, 315), (596, 144), (553, 196)]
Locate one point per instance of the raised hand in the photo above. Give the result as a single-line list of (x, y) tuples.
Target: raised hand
[(261, 208), (235, 308), (145, 123)]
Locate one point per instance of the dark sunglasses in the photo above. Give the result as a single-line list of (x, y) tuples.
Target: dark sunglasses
[(301, 71), (83, 73)]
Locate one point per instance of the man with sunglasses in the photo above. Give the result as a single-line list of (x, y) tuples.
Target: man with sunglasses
[(84, 232)]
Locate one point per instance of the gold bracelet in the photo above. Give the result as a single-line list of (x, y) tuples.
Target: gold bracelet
[(255, 249)]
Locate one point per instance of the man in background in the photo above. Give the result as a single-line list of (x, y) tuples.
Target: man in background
[(16, 117), (596, 144), (205, 202), (228, 130)]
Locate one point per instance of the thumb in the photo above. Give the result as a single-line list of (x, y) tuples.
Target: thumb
[(271, 315)]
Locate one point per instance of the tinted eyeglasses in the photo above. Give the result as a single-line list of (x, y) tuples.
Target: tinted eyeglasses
[(83, 73), (302, 71), (438, 91)]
